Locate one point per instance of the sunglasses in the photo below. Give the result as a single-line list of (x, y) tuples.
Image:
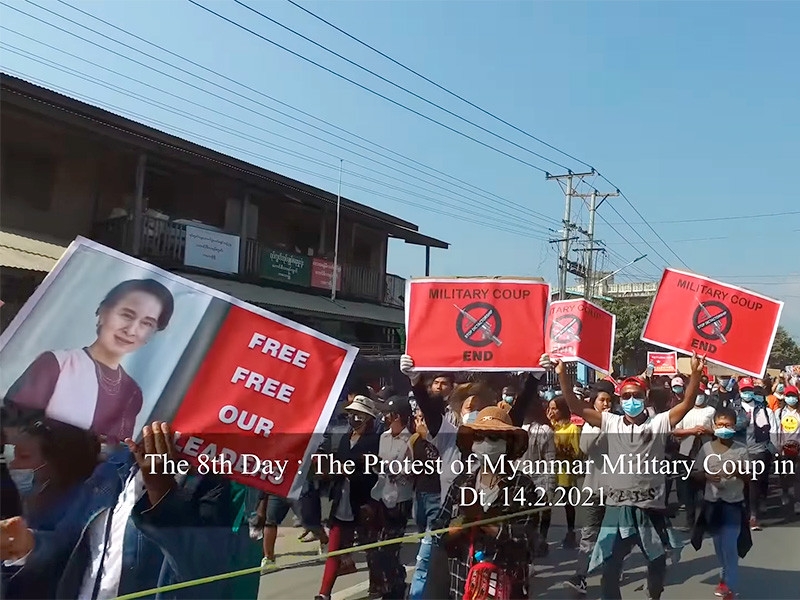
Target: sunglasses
[(630, 395)]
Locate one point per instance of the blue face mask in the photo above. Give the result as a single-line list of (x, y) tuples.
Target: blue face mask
[(508, 399), (700, 400), (791, 400), (632, 407), (470, 417), (23, 480), (677, 389), (747, 396), (759, 399), (724, 433)]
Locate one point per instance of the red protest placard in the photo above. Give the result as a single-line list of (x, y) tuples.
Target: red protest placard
[(257, 392), (664, 363), (578, 330), (235, 381), (733, 327), (476, 324)]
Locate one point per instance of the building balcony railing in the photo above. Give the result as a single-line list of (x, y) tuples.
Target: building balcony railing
[(164, 242)]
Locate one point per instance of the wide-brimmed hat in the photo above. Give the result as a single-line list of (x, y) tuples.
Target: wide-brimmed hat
[(363, 405), (494, 420)]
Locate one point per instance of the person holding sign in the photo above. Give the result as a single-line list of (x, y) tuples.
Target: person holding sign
[(637, 467), (88, 387), (785, 430)]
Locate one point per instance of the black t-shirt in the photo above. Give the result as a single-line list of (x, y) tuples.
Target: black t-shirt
[(425, 451)]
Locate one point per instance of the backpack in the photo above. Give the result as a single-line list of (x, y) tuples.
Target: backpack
[(486, 581)]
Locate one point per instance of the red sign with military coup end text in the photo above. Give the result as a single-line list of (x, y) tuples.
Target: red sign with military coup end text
[(731, 326), (578, 330), (476, 324)]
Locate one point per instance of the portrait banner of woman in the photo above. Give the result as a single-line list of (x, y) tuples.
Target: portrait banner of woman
[(108, 343), (99, 343)]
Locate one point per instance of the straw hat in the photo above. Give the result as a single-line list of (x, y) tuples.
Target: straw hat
[(494, 420), (362, 405)]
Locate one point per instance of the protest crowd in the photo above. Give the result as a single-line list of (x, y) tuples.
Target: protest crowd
[(469, 464)]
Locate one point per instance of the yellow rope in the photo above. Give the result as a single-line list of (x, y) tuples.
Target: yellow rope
[(411, 538)]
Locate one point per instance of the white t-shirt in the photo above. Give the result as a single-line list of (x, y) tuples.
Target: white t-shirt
[(390, 489), (594, 445), (731, 488), (698, 416), (630, 476)]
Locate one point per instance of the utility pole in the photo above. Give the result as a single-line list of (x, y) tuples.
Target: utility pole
[(588, 286), (563, 259)]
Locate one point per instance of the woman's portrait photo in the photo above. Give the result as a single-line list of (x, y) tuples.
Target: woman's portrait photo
[(127, 318), (96, 350)]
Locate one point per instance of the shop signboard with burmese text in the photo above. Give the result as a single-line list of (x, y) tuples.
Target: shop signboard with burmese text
[(287, 267), (476, 324), (212, 250), (110, 343), (322, 274), (731, 326), (580, 331), (664, 363)]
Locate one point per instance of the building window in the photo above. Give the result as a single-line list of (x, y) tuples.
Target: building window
[(28, 177)]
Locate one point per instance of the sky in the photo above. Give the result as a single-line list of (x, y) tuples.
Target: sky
[(688, 108)]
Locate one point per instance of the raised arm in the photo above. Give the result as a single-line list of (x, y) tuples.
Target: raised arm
[(520, 407), (431, 410), (576, 405), (677, 412)]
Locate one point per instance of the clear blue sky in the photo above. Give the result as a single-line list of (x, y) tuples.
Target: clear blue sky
[(690, 108)]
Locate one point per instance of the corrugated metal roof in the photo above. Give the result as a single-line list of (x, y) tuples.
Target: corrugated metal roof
[(304, 303), (22, 252)]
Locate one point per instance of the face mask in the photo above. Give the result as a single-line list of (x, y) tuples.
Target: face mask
[(677, 389), (700, 400), (23, 479), (791, 400), (724, 433), (469, 417), (508, 399), (747, 396), (355, 422), (633, 407), (491, 449), (759, 399)]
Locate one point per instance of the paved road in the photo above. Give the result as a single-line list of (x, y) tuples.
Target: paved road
[(771, 571)]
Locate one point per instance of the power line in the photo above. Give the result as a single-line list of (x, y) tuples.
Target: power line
[(367, 88), (441, 87), (251, 125), (218, 143), (172, 77), (733, 218), (460, 183), (650, 260), (238, 25), (396, 85), (261, 176), (485, 112)]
